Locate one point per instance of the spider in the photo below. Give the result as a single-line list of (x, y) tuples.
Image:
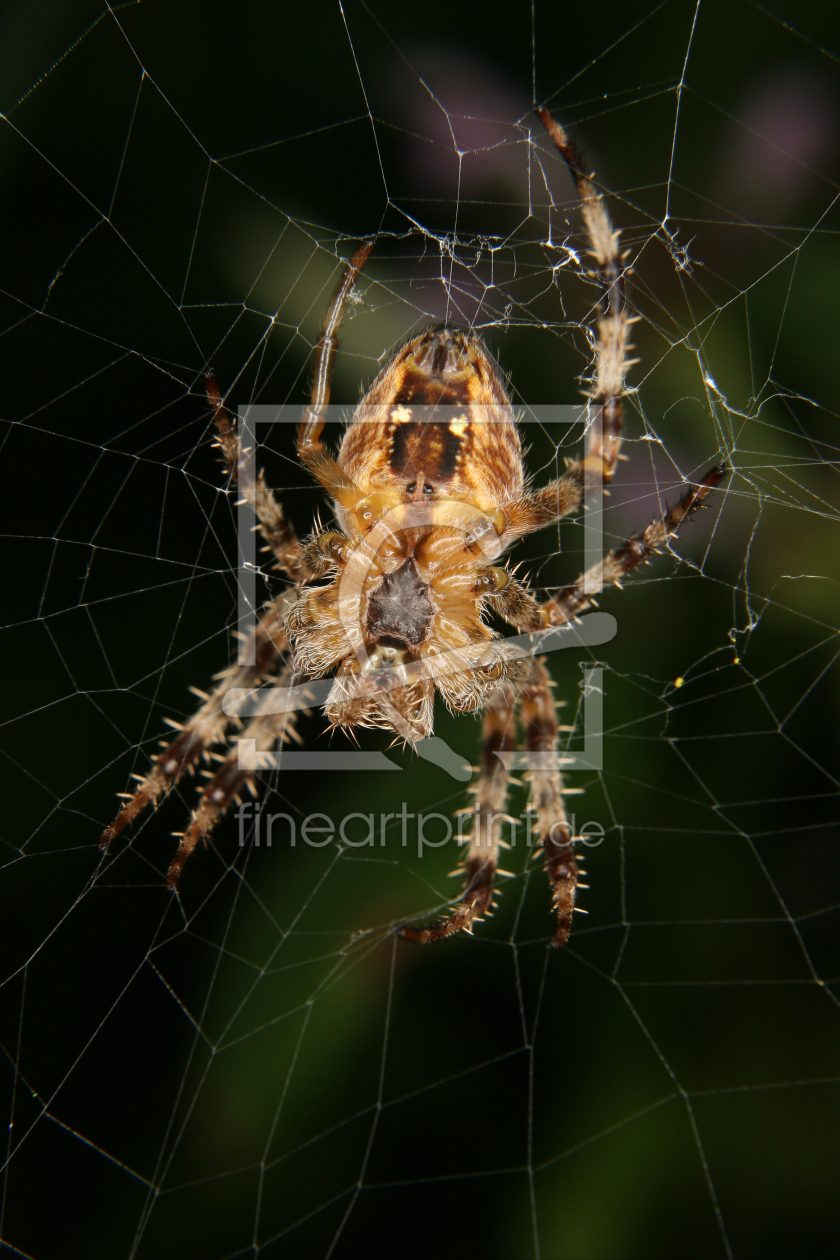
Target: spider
[(392, 603)]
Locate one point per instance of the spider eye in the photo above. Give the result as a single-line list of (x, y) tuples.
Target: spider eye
[(428, 490)]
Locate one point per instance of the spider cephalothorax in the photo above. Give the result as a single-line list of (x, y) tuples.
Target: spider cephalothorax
[(428, 491), (435, 461)]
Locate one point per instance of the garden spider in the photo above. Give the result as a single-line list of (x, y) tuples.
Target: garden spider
[(424, 507)]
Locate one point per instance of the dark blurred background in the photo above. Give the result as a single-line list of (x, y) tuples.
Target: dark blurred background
[(258, 1063)]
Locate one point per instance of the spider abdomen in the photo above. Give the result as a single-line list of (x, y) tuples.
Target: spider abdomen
[(437, 420)]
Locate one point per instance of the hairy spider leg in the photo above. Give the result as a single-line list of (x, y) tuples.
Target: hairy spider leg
[(293, 558), (266, 732), (311, 452), (205, 728), (536, 709), (564, 495), (278, 532), (539, 720), (482, 857), (611, 360), (513, 602), (569, 602)]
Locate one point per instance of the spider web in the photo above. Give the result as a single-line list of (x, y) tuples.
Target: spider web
[(258, 1065)]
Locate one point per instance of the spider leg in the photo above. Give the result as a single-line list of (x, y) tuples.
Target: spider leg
[(538, 710), (539, 719), (544, 506), (275, 529), (206, 727), (539, 508), (266, 731), (566, 604), (293, 558), (510, 599), (611, 361), (515, 603), (326, 552), (310, 450), (481, 859)]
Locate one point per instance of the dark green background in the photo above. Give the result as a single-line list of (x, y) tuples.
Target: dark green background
[(443, 1101)]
